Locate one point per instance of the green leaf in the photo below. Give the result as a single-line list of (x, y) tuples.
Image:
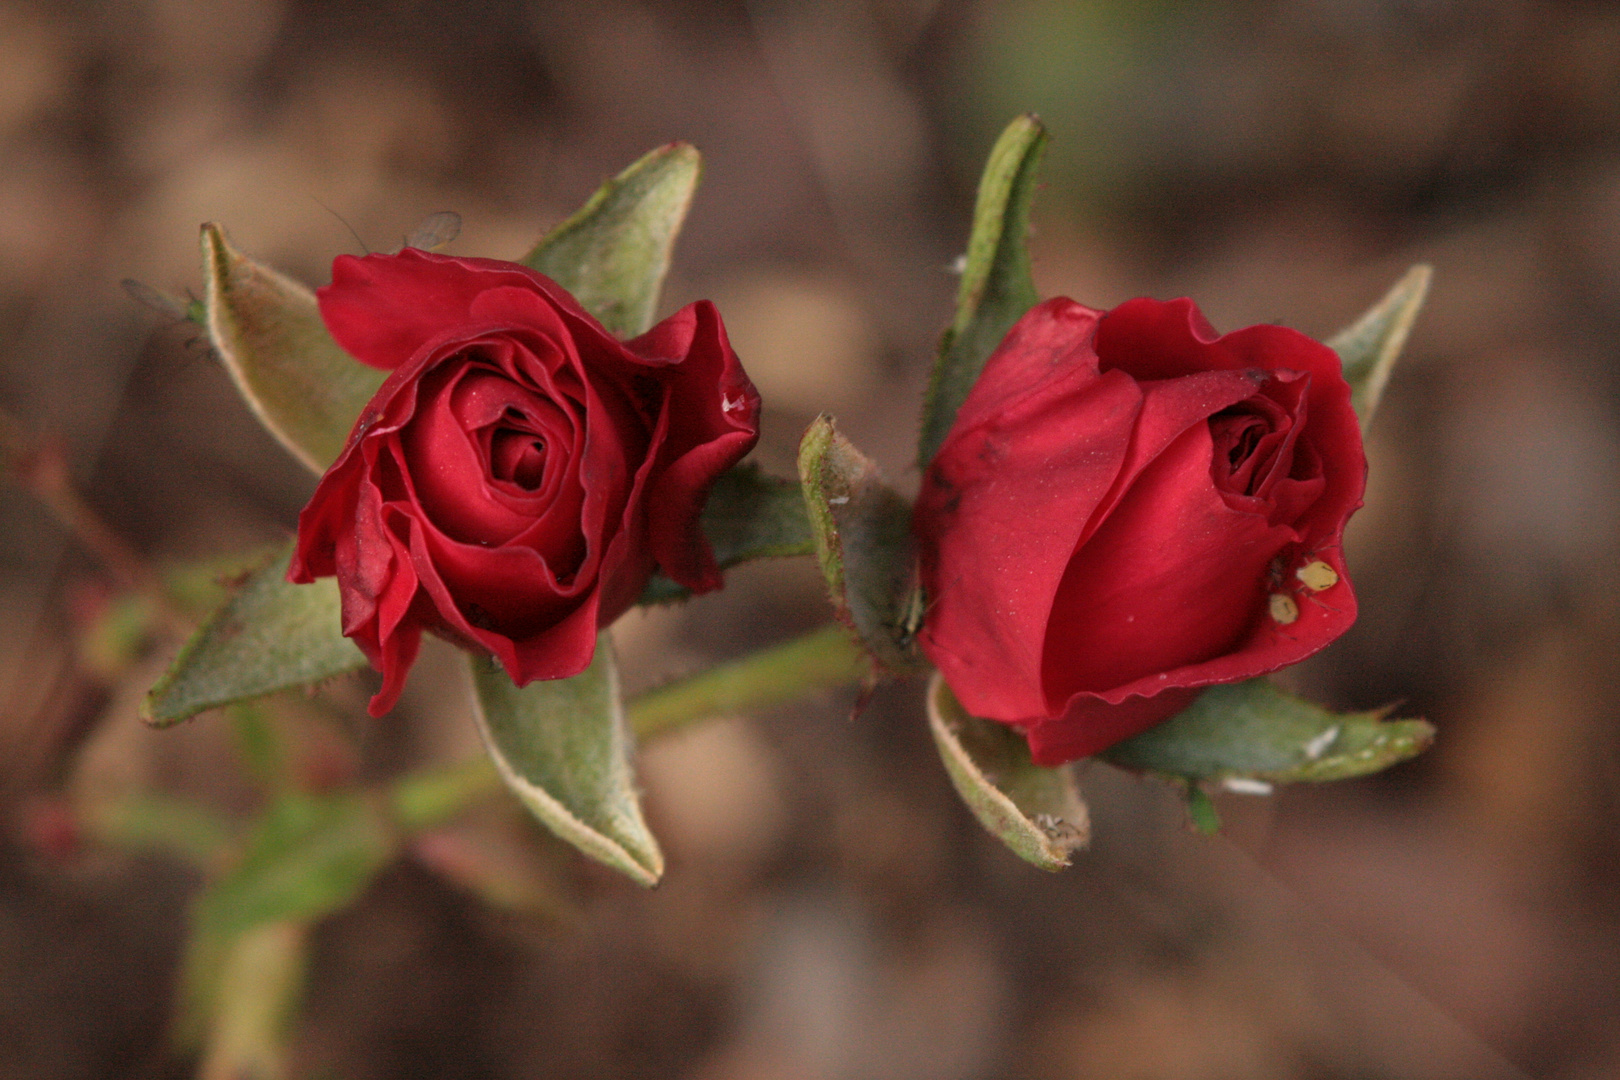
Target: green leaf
[(1250, 734), (1370, 347), (1037, 812), (268, 331), (749, 515), (613, 254), (270, 636), (308, 856), (997, 285), (564, 749), (862, 530)]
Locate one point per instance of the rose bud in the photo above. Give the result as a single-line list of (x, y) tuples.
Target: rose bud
[(520, 474), (1130, 507)]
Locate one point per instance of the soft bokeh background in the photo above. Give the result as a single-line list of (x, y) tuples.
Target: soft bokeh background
[(830, 912)]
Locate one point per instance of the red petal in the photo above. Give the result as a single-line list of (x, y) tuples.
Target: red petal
[(383, 309), (1089, 725), (713, 412), (1004, 504), (1174, 576)]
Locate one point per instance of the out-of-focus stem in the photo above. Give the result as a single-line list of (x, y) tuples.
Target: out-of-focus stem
[(425, 799), (260, 985), (819, 660), (176, 827), (42, 468)]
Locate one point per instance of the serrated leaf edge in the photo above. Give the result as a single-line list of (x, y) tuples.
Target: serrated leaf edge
[(196, 641)]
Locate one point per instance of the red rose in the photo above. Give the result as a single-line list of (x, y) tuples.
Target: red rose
[(515, 481), (1131, 507)]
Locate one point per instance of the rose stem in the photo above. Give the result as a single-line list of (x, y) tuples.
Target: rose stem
[(820, 660), (42, 468)]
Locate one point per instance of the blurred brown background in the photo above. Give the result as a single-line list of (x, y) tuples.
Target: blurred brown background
[(830, 912)]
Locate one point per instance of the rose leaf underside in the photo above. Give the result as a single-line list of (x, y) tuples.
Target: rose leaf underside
[(1037, 812), (997, 284), (1251, 734), (270, 635), (862, 531), (563, 747), (1370, 346), (749, 515), (268, 331), (614, 253)]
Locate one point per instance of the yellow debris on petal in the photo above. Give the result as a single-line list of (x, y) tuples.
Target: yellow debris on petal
[(1317, 576), (1283, 608)]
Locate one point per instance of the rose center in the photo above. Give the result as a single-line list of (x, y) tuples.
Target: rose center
[(518, 457), (1241, 439)]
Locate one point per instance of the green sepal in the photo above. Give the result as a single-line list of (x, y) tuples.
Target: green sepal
[(1370, 346), (268, 331), (997, 284), (614, 252), (271, 635), (1252, 731), (1037, 812), (862, 531), (563, 747), (749, 515)]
